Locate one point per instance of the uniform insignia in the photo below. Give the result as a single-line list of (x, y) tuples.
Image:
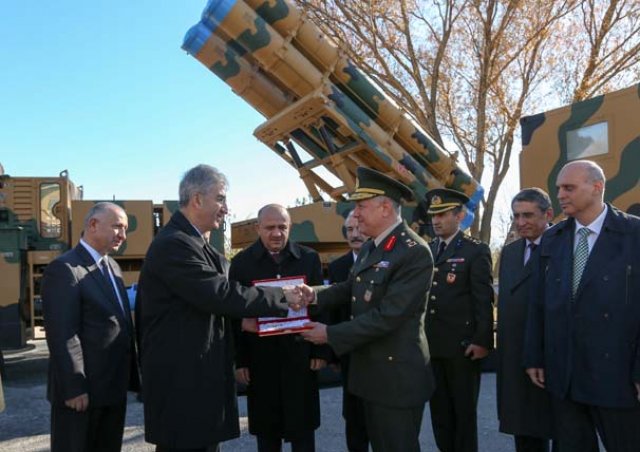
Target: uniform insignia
[(367, 296), (451, 278), (411, 243), (456, 259), (382, 264), (436, 200), (390, 243)]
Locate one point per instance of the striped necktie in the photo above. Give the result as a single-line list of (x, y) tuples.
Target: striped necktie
[(580, 256)]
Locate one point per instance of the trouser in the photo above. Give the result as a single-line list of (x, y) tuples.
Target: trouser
[(355, 423), (531, 444), (454, 402), (393, 429), (577, 427), (98, 429), (303, 443)]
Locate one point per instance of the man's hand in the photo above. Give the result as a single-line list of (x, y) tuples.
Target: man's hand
[(249, 325), (242, 376), (79, 404), (474, 352), (317, 334), (307, 294), (536, 375), (317, 364), (294, 297)]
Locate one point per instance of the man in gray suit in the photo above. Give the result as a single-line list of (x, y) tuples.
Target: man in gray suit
[(523, 409), (90, 337), (390, 367)]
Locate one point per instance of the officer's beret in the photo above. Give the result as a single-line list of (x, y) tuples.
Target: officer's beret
[(371, 183), (443, 199)]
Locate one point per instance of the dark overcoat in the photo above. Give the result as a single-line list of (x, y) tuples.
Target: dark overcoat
[(282, 397), (460, 305), (387, 290), (90, 337), (187, 342), (588, 344), (523, 408)]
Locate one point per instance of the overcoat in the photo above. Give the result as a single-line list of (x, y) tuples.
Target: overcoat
[(523, 408), (186, 301), (282, 397), (460, 308), (588, 344), (387, 290)]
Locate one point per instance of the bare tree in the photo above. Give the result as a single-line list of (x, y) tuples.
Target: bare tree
[(468, 69)]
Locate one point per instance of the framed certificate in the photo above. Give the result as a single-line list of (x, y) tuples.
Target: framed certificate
[(294, 322)]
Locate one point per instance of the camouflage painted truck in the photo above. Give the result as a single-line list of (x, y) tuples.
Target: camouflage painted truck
[(604, 129), (40, 218), (323, 114)]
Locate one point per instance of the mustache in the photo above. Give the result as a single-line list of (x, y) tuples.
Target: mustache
[(357, 239)]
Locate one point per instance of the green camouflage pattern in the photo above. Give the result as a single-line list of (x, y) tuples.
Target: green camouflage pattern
[(546, 148)]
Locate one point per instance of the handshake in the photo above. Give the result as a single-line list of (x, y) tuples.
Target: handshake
[(299, 296)]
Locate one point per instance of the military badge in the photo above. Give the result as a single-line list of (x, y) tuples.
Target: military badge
[(390, 243), (382, 264), (451, 278), (411, 243), (436, 200), (367, 296)]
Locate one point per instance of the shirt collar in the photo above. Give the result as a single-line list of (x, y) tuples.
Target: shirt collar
[(596, 225), (97, 257), (378, 240)]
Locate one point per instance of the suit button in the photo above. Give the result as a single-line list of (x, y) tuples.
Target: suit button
[(353, 299), (390, 358), (357, 279), (432, 311), (371, 282), (606, 315), (435, 283), (435, 269), (352, 317), (433, 297)]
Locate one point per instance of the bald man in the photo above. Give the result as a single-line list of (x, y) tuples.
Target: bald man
[(582, 341)]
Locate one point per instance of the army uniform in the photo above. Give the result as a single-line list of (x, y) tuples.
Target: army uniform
[(389, 356), (459, 313)]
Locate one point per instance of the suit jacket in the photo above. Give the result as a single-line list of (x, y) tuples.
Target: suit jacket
[(279, 365), (339, 270), (90, 337), (588, 345), (387, 290), (187, 348), (461, 299), (523, 408)]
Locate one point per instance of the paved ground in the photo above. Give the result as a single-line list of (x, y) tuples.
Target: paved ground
[(24, 426)]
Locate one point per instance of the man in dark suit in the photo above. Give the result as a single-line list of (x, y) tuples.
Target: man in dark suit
[(186, 301), (90, 337), (582, 340), (459, 322), (280, 371), (523, 409), (352, 405), (389, 356)]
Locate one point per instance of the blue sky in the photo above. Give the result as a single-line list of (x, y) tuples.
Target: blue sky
[(103, 89)]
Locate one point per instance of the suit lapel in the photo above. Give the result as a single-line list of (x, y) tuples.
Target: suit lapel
[(516, 263)]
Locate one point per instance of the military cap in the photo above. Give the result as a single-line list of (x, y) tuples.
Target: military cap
[(372, 183), (443, 199)]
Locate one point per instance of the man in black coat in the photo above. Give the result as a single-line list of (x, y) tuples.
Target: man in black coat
[(186, 300), (389, 364), (582, 341), (280, 371), (524, 410), (90, 336), (352, 405), (459, 322)]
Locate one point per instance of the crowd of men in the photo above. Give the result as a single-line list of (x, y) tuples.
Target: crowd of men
[(409, 322)]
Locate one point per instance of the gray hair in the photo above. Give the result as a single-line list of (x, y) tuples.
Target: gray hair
[(99, 209), (535, 195), (199, 180), (264, 209)]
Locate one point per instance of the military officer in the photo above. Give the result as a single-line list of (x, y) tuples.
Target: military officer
[(387, 289), (459, 322)]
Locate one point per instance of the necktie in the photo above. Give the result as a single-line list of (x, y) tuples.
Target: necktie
[(104, 269), (580, 256), (532, 247), (441, 246)]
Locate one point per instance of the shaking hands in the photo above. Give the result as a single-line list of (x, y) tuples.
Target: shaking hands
[(299, 296)]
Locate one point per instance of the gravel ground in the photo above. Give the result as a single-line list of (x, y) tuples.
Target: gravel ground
[(24, 425)]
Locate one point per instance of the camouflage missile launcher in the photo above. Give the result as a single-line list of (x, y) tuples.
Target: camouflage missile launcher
[(603, 129), (321, 103)]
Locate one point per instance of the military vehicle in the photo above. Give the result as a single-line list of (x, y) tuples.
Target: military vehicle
[(40, 218), (319, 104), (604, 129)]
